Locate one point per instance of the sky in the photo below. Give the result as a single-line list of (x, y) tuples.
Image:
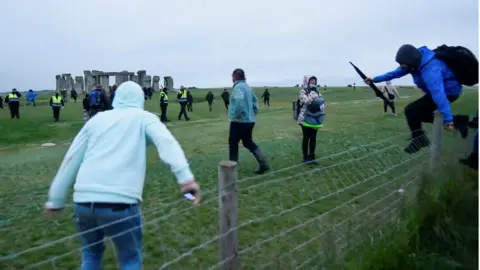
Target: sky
[(200, 42)]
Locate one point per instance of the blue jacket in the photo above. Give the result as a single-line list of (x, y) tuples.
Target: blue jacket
[(243, 103), (434, 78), (31, 96)]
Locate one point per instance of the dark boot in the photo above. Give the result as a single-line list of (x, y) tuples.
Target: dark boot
[(312, 160), (471, 161), (418, 142), (262, 161), (460, 122), (306, 159)]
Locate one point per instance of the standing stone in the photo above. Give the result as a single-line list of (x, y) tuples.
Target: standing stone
[(141, 77), (58, 85), (123, 77), (89, 81), (79, 87), (168, 83), (68, 81), (134, 78), (96, 76), (155, 84), (104, 81), (148, 81)]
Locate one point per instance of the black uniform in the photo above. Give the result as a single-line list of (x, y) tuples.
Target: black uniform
[(182, 99), (163, 105), (226, 98), (13, 100), (209, 98), (74, 96), (56, 105), (266, 98), (1, 103), (189, 102)]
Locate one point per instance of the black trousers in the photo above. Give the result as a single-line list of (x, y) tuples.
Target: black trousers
[(56, 113), (240, 132), (210, 105), (266, 101), (1, 105), (421, 110), (183, 111), (14, 109), (309, 142), (190, 106), (391, 105), (226, 104), (94, 111), (163, 112)]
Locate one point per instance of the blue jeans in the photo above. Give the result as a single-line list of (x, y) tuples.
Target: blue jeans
[(128, 244)]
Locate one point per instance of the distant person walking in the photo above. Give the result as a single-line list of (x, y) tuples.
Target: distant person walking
[(98, 101), (226, 98), (164, 105), (209, 98), (182, 100), (31, 96), (107, 161), (189, 101), (440, 88), (241, 114), (1, 102), (310, 117), (74, 95), (390, 93), (266, 98), (13, 101), (56, 102), (86, 107)]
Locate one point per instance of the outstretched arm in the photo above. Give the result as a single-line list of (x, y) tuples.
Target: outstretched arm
[(397, 73)]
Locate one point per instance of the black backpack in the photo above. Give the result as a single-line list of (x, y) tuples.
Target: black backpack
[(461, 61)]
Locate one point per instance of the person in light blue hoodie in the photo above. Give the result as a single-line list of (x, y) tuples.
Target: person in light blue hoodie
[(109, 174)]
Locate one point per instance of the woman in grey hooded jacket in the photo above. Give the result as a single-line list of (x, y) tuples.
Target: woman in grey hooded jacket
[(310, 117)]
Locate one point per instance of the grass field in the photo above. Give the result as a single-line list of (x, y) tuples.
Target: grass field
[(284, 216)]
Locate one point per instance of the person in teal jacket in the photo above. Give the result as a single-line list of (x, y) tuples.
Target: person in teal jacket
[(241, 114), (107, 161), (440, 89)]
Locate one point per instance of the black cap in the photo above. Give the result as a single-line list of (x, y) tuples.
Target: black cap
[(408, 55)]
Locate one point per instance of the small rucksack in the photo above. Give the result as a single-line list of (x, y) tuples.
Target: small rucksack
[(461, 61), (95, 98)]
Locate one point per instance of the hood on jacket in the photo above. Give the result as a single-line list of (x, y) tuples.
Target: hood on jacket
[(307, 78), (129, 95), (427, 55)]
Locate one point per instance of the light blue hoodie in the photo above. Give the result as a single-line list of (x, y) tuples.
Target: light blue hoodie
[(107, 158)]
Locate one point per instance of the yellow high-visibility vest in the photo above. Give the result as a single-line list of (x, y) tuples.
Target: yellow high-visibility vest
[(13, 98), (56, 102), (183, 97), (165, 97)]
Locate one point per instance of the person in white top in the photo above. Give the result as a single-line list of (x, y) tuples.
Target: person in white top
[(107, 161), (390, 92)]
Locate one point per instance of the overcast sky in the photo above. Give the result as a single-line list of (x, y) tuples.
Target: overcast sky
[(200, 42)]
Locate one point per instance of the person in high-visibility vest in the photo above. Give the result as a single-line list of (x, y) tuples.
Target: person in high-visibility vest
[(182, 99), (164, 105), (56, 102), (13, 100)]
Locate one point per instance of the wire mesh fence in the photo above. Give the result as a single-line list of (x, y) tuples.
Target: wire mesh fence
[(297, 217)]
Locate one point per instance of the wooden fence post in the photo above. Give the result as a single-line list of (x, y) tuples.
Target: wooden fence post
[(228, 211), (437, 137)]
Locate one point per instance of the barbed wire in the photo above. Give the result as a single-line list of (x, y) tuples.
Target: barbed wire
[(340, 176)]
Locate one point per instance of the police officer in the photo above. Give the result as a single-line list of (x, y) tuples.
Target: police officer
[(226, 98), (164, 105), (182, 99), (13, 100), (56, 102), (266, 97)]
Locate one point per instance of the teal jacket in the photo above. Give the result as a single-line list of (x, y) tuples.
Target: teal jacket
[(243, 103)]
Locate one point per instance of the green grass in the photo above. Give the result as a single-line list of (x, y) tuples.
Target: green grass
[(279, 213)]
